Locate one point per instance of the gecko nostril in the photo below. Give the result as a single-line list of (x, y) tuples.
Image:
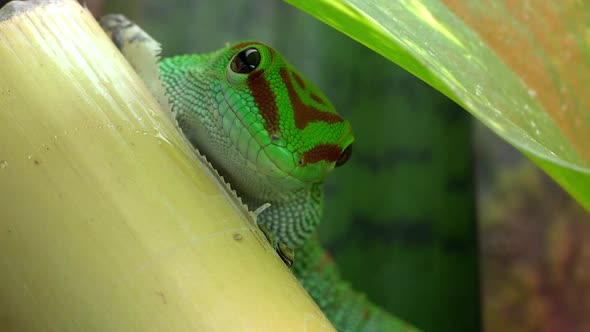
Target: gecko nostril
[(344, 156)]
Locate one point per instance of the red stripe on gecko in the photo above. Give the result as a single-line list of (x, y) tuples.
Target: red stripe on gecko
[(303, 113), (265, 100), (318, 99), (327, 152), (299, 80)]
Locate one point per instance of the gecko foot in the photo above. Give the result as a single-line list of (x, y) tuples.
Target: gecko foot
[(286, 253)]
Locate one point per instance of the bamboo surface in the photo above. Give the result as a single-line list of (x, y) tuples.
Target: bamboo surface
[(108, 219)]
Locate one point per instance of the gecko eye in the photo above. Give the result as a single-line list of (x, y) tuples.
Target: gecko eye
[(344, 156), (245, 61)]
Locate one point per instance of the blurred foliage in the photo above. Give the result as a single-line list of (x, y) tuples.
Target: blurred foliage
[(534, 247), (400, 217)]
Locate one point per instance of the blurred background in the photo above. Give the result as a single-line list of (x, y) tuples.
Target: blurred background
[(433, 217)]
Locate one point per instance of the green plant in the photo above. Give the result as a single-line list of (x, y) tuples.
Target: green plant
[(520, 70)]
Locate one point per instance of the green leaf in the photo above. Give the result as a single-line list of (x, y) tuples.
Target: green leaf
[(521, 70)]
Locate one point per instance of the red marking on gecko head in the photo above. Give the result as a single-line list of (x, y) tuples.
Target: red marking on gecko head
[(318, 99), (303, 113), (299, 80), (265, 100), (326, 152)]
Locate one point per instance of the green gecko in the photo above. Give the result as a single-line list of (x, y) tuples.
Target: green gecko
[(274, 136)]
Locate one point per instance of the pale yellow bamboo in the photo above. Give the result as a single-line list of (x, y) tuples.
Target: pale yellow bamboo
[(107, 220)]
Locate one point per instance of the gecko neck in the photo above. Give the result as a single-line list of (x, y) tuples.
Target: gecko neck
[(292, 216)]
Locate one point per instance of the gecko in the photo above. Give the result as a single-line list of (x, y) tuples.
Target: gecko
[(274, 136)]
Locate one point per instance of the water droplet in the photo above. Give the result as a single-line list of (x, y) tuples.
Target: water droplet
[(478, 90), (161, 138), (3, 164), (532, 93), (29, 157), (563, 108)]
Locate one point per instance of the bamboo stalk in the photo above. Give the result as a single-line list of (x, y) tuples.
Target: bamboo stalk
[(108, 222)]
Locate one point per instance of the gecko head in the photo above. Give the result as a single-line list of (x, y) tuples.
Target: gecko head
[(291, 134)]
